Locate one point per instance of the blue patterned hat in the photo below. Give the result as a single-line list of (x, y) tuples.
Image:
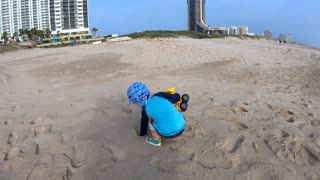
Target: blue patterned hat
[(138, 93)]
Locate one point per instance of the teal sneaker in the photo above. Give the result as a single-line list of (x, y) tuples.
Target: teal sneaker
[(152, 141)]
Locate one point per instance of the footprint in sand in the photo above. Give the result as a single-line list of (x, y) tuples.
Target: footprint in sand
[(77, 158), (312, 115), (213, 161), (186, 168), (69, 173), (39, 130), (269, 106), (312, 155), (163, 164), (239, 109), (117, 153), (8, 122), (209, 154), (177, 144), (189, 131), (105, 158), (11, 153), (316, 123), (288, 148), (233, 143), (38, 172), (13, 136), (40, 120), (265, 172), (203, 132), (285, 114), (237, 124)]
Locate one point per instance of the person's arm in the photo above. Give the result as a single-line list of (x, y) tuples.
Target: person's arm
[(143, 122)]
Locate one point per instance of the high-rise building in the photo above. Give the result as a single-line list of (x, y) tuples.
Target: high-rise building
[(243, 30), (196, 16), (69, 16), (233, 31), (289, 38), (282, 37), (63, 16), (268, 34)]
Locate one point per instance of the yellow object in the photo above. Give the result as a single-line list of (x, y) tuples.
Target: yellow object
[(178, 105), (170, 90)]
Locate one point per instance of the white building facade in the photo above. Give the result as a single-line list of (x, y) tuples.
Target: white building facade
[(289, 38), (244, 30), (63, 16), (69, 16), (233, 31)]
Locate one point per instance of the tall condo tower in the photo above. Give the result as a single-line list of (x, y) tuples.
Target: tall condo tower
[(196, 16), (60, 16)]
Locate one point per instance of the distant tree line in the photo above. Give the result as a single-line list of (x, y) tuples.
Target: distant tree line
[(34, 35)]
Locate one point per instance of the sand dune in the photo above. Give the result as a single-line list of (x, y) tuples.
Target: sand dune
[(253, 113)]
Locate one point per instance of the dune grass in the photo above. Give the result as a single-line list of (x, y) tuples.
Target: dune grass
[(172, 34), (9, 48)]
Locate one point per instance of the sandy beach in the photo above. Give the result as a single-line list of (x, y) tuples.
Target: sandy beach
[(253, 111)]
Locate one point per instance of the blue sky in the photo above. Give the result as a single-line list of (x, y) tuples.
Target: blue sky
[(298, 17)]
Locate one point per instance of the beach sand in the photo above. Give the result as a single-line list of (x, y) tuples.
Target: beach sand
[(253, 111)]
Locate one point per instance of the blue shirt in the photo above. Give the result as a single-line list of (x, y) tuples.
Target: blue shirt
[(167, 120)]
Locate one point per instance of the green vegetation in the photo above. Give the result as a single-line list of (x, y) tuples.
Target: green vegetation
[(4, 37), (66, 44), (253, 37), (94, 31), (172, 34), (9, 48), (57, 45)]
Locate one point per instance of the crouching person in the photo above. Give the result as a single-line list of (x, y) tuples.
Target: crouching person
[(159, 113)]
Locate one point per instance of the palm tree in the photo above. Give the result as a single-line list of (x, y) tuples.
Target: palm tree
[(29, 33), (21, 33), (5, 37), (94, 31), (15, 36), (32, 35), (47, 32), (26, 33), (40, 34)]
